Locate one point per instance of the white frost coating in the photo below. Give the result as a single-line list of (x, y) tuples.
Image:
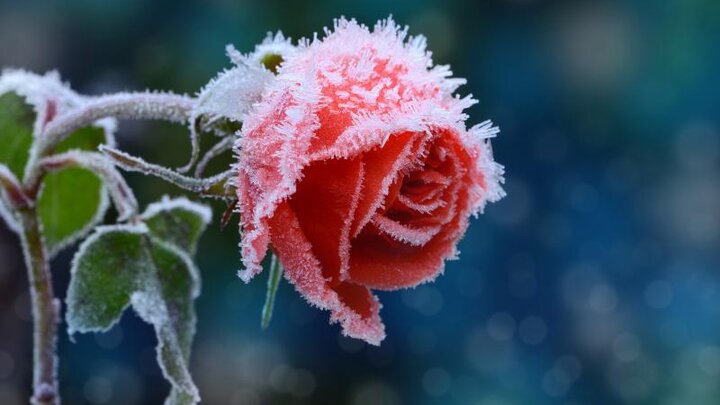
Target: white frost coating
[(151, 308), (136, 164), (109, 125), (150, 105), (168, 204), (480, 135), (147, 300), (9, 184), (405, 233), (8, 217), (231, 94), (38, 91), (272, 45), (224, 145), (50, 98)]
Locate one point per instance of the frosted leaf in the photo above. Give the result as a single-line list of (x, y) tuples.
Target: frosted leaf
[(16, 136), (73, 200), (121, 194), (46, 94), (70, 202), (148, 267), (178, 221), (230, 95), (106, 271)]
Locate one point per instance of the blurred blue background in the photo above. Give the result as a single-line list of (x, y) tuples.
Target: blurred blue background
[(594, 282)]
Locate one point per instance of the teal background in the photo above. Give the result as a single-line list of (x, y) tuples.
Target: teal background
[(594, 282)]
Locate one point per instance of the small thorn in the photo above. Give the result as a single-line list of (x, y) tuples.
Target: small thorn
[(228, 214)]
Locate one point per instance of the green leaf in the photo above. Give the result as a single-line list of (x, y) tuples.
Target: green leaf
[(148, 267), (84, 138), (177, 221), (16, 132), (72, 200), (104, 275)]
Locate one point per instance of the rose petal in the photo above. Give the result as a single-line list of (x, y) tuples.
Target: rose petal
[(353, 306), (381, 169), (415, 236), (325, 203), (379, 262), (272, 156)]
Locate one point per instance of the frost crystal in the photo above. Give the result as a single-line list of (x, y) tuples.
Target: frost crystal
[(8, 217), (47, 94), (231, 94)]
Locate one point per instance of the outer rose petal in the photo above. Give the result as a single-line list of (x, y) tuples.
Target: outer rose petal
[(353, 306), (324, 204), (272, 156)]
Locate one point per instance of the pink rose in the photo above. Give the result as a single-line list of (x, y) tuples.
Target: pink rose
[(357, 169)]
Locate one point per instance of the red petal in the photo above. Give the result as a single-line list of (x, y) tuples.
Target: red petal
[(381, 169), (353, 306), (381, 262), (324, 204)]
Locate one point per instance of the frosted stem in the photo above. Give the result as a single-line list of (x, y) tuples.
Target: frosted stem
[(14, 193), (224, 145), (160, 106), (45, 311), (211, 187)]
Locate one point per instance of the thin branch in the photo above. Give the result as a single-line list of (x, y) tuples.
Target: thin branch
[(162, 106), (14, 193), (224, 145), (122, 195), (194, 147), (207, 186)]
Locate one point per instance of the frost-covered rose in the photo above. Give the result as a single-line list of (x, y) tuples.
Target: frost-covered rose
[(357, 169)]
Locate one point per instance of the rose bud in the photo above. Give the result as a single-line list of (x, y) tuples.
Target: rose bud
[(357, 169)]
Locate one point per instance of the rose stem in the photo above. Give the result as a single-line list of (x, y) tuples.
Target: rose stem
[(45, 310)]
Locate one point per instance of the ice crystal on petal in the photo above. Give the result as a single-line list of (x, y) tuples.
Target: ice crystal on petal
[(147, 267)]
